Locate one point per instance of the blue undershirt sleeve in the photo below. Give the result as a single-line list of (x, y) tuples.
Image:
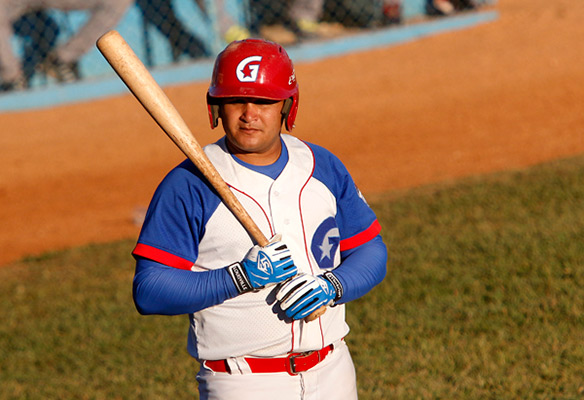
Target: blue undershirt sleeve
[(361, 269), (159, 289)]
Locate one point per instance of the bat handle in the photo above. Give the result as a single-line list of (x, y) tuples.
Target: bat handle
[(316, 314)]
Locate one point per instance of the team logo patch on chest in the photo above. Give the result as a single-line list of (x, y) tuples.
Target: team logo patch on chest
[(325, 243)]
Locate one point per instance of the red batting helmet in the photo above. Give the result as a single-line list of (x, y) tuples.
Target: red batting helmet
[(254, 68)]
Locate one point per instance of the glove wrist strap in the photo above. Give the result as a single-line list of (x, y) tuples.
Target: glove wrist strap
[(242, 282), (329, 276)]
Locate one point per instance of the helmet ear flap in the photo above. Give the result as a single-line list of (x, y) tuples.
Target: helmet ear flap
[(289, 111), (213, 109), (286, 112)]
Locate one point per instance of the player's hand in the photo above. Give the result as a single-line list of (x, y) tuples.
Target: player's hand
[(266, 266), (269, 265), (304, 294)]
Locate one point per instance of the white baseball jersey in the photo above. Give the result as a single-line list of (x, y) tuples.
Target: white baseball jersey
[(313, 204)]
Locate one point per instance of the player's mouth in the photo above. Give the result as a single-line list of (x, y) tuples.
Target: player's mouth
[(248, 130)]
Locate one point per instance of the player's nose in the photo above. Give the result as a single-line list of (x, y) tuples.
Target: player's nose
[(249, 111)]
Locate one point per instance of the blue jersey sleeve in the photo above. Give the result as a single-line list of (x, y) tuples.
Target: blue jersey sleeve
[(168, 247), (363, 253), (159, 289), (356, 221), (361, 269), (175, 220)]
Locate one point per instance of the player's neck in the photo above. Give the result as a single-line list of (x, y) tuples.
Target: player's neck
[(261, 157)]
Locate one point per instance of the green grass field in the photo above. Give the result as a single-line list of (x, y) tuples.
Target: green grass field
[(483, 300)]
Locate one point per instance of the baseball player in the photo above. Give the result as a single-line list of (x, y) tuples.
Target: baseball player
[(247, 305)]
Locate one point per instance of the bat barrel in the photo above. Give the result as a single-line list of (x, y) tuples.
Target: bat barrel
[(141, 83)]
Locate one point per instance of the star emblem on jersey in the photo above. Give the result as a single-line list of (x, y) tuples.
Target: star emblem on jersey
[(247, 70), (325, 243)]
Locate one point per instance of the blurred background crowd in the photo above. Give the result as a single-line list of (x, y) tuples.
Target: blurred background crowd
[(44, 41)]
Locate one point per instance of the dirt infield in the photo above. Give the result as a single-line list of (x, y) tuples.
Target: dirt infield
[(507, 94)]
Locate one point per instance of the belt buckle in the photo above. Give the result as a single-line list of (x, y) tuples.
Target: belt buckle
[(292, 365)]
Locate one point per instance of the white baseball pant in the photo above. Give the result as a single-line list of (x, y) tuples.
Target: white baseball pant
[(333, 378)]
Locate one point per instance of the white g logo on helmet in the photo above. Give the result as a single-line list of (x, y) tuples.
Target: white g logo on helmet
[(246, 71)]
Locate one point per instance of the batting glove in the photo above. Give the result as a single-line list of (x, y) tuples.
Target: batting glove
[(263, 266), (304, 294)]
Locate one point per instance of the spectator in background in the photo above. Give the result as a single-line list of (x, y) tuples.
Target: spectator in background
[(288, 22), (448, 7), (229, 29), (39, 32), (61, 63), (439, 7), (461, 5), (306, 16), (161, 15), (391, 12)]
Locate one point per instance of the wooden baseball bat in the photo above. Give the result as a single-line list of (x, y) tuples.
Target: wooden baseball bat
[(141, 83), (138, 79)]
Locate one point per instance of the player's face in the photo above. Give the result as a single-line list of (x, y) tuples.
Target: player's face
[(252, 127)]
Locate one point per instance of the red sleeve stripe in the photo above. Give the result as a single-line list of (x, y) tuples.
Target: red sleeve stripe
[(362, 237), (161, 256)]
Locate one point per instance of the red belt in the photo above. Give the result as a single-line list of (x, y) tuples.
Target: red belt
[(293, 363)]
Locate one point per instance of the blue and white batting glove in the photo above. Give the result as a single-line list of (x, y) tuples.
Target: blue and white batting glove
[(304, 294), (263, 266)]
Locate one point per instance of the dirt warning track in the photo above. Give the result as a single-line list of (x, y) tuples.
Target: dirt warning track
[(506, 94)]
